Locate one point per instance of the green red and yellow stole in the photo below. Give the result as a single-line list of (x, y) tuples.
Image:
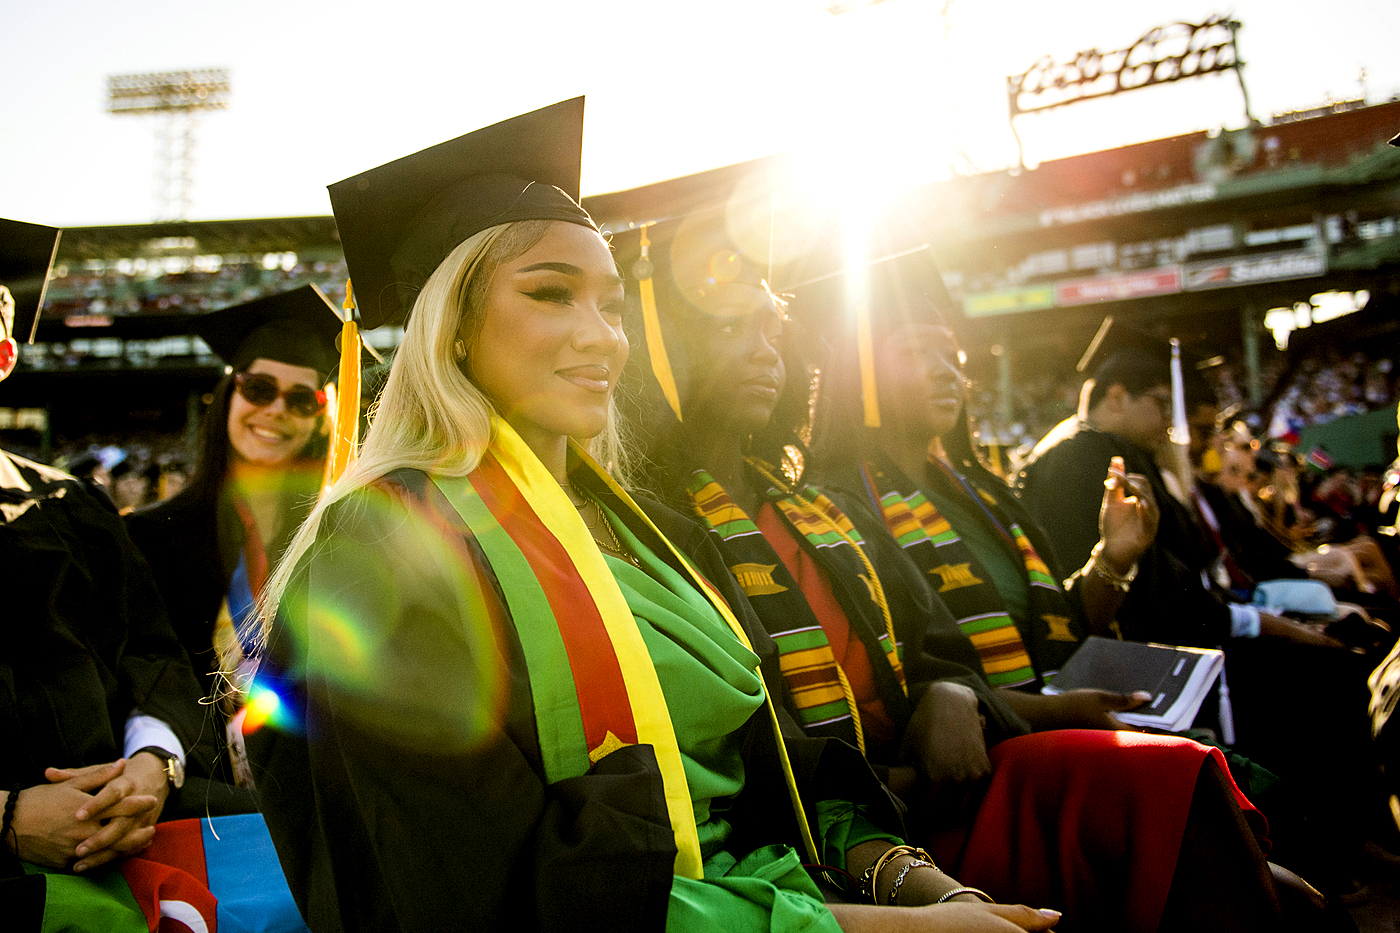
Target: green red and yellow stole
[(594, 686), (821, 694), (962, 582)]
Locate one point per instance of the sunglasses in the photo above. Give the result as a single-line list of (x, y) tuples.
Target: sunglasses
[(261, 390)]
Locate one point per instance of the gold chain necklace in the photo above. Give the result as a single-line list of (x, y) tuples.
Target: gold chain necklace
[(612, 545)]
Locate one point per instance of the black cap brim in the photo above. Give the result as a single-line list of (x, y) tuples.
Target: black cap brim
[(26, 254), (298, 327), (904, 288), (1395, 141), (1114, 338), (399, 221)]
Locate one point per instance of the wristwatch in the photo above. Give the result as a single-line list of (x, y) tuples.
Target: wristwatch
[(174, 770)]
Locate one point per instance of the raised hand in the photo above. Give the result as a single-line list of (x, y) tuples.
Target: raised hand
[(1127, 517)]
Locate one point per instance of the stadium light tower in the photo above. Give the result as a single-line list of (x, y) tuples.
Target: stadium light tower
[(177, 98)]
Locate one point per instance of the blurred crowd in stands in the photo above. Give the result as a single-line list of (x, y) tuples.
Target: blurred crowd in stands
[(119, 289)]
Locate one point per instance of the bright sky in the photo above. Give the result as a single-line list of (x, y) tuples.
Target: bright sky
[(322, 90)]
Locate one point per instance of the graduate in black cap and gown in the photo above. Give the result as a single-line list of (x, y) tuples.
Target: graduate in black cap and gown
[(259, 469), (98, 704), (523, 707)]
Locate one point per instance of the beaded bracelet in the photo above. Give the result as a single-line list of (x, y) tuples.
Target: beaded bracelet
[(899, 878), (7, 823), (964, 889)]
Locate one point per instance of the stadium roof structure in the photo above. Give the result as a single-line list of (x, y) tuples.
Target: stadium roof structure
[(223, 237)]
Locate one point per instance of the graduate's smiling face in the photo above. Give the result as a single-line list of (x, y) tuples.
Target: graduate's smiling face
[(736, 371), (920, 378), (551, 345), (271, 434)]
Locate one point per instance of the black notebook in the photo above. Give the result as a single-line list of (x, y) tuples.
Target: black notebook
[(1178, 678)]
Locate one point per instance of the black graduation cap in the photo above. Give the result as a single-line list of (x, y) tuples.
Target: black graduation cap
[(1114, 340), (399, 221), (849, 307), (297, 327), (712, 262), (902, 287), (1119, 349), (26, 254)]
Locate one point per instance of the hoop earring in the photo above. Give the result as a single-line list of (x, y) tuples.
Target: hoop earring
[(459, 350)]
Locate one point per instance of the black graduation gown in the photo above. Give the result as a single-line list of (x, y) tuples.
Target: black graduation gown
[(935, 649), (193, 547), (1062, 487), (180, 539), (1257, 553), (1046, 655), (87, 640), (375, 834)]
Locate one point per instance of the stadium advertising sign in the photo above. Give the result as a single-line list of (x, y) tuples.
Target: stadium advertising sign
[(1249, 270), (1165, 281), (1136, 203), (1010, 301)]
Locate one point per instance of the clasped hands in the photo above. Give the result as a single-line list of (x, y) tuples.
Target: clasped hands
[(86, 817)]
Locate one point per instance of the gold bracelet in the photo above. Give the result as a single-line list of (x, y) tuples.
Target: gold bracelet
[(1119, 581), (964, 889), (893, 852)]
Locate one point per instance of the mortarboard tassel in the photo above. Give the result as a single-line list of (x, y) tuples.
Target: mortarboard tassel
[(865, 344), (1179, 434), (345, 428), (651, 323)]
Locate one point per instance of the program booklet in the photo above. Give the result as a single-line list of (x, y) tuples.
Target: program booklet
[(1178, 678)]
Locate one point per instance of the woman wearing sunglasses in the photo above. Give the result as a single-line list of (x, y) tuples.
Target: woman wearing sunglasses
[(259, 469)]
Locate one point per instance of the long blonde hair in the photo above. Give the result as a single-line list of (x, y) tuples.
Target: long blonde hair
[(431, 416)]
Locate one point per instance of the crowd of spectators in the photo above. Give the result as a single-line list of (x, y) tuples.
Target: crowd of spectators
[(125, 288), (1302, 390)]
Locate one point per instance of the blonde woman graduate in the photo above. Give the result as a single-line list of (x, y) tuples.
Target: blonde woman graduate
[(521, 707), (1121, 831)]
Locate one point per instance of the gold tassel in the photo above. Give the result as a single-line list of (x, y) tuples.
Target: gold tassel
[(345, 430), (865, 343), (651, 323)]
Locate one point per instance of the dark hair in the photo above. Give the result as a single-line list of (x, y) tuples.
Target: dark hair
[(212, 459), (669, 461), (839, 434), (1139, 370)]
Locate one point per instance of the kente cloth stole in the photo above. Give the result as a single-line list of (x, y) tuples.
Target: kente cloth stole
[(960, 579), (593, 683), (824, 701)]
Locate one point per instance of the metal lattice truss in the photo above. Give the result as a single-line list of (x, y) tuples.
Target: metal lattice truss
[(176, 99), (1163, 55)]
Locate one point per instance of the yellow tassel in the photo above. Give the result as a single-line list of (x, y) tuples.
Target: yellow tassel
[(345, 430), (656, 346), (866, 345)]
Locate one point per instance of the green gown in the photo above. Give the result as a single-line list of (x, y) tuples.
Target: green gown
[(711, 689)]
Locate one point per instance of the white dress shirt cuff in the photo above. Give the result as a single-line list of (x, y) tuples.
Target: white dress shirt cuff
[(1244, 621), (143, 730)]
